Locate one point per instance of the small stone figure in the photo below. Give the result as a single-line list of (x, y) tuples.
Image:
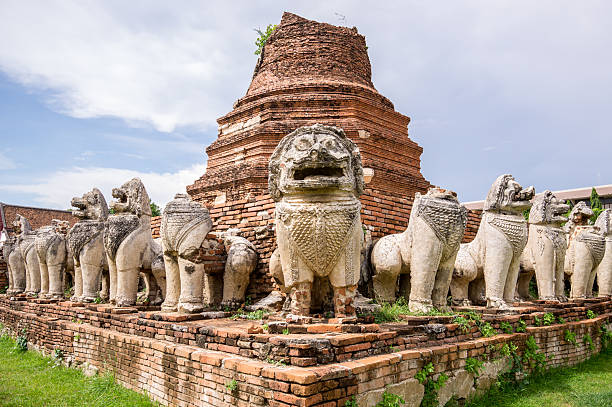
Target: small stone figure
[(184, 227), (604, 270), (316, 178), (86, 243), (424, 255), (544, 254), (129, 247), (26, 242), (54, 258), (493, 257), (241, 261), (585, 250)]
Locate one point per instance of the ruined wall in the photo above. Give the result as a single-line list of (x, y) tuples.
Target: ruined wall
[(38, 217), (473, 223)]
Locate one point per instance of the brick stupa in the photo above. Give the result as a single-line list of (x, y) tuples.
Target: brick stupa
[(308, 73)]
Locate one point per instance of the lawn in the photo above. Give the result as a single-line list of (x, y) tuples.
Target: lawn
[(586, 385), (29, 379)]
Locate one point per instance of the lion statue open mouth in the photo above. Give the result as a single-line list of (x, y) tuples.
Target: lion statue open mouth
[(316, 178)]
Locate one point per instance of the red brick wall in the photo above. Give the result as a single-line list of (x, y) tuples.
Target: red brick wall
[(473, 223), (38, 217)]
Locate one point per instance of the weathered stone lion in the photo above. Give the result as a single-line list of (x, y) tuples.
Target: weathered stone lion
[(26, 244), (604, 270), (544, 254), (129, 247), (241, 261), (86, 243), (424, 255), (15, 265), (493, 257), (316, 178), (54, 258), (184, 227), (585, 250)]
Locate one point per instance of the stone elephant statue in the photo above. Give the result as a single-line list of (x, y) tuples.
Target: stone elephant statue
[(184, 227), (490, 264), (54, 258), (128, 244), (423, 255)]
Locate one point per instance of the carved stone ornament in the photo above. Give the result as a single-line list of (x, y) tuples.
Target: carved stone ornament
[(604, 269)]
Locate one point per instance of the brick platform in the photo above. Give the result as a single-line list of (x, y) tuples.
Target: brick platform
[(190, 362)]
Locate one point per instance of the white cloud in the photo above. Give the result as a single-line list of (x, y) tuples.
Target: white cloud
[(58, 188), (6, 163)]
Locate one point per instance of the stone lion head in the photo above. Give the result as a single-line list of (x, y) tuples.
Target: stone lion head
[(580, 214), (604, 222), (132, 197), (507, 195), (548, 209), (91, 205), (315, 159)]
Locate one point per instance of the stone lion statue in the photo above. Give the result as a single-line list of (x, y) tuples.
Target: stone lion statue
[(184, 227), (316, 178), (493, 257), (424, 255), (26, 244), (54, 258), (544, 254), (15, 266), (128, 244), (86, 243), (604, 269), (585, 250)]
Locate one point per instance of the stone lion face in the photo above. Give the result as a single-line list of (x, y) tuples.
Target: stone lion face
[(315, 159), (580, 214), (548, 209), (507, 195), (91, 205), (131, 197)]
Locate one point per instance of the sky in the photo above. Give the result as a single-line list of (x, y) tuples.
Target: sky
[(93, 93)]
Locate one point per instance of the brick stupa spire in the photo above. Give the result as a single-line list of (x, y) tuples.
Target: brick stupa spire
[(308, 73)]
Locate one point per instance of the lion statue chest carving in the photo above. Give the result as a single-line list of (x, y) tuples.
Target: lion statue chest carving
[(490, 264), (544, 254), (316, 178), (604, 269)]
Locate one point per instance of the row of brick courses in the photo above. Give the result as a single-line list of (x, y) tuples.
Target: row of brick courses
[(176, 374)]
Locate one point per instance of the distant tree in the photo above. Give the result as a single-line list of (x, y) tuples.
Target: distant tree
[(155, 211), (596, 206), (263, 37)]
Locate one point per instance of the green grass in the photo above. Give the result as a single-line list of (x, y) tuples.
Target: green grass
[(586, 385), (29, 379)]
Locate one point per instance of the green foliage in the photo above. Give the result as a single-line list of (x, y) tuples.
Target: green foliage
[(521, 326), (596, 206), (286, 331), (506, 327), (463, 323), (424, 376), (487, 330), (232, 385), (21, 344), (155, 210), (536, 361), (351, 402), (77, 337), (591, 314), (390, 400), (3, 289), (473, 366), (606, 338), (588, 341), (526, 214), (561, 320), (251, 316), (263, 37), (570, 337), (28, 379), (546, 320), (391, 312), (98, 300)]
